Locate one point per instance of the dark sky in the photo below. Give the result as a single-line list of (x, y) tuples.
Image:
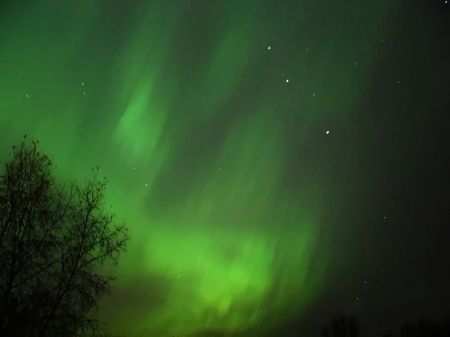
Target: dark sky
[(277, 162)]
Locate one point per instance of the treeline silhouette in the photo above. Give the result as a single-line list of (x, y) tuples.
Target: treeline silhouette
[(347, 326), (423, 327), (54, 239)]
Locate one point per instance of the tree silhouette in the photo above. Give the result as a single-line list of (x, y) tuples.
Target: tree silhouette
[(424, 328), (341, 326), (54, 238), (325, 331)]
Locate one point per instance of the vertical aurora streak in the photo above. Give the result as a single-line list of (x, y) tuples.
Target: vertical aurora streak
[(195, 132)]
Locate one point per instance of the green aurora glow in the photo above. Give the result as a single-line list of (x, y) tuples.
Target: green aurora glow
[(196, 136)]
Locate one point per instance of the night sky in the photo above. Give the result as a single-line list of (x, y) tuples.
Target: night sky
[(277, 162)]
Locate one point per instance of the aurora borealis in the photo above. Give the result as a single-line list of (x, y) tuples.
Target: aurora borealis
[(231, 135)]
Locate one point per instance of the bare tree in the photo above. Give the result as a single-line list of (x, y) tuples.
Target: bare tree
[(341, 326), (325, 331), (54, 239)]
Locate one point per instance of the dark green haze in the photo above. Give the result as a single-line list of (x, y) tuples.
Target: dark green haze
[(204, 116)]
